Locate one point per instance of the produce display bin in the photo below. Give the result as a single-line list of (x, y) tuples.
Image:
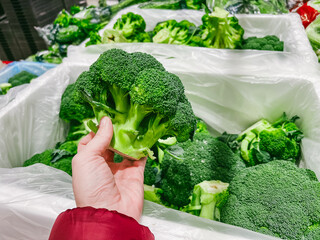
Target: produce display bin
[(287, 27), (225, 99), (15, 68)]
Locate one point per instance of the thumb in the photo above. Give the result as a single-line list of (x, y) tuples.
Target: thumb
[(101, 141)]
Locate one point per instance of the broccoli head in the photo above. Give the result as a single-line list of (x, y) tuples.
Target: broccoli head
[(268, 43), (173, 32), (207, 198), (276, 198), (187, 164), (264, 142), (144, 102), (130, 24), (220, 31), (21, 78), (52, 158), (152, 172), (70, 109)]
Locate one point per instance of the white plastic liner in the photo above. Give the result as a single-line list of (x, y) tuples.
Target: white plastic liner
[(287, 27), (225, 94), (31, 198)]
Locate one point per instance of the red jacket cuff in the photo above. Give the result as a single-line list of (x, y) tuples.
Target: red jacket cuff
[(96, 224)]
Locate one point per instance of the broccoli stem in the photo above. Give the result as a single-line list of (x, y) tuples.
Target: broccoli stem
[(126, 136), (120, 98), (208, 209)]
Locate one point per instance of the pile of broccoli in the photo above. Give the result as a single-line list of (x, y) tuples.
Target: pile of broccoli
[(21, 78), (218, 30), (267, 43), (179, 167)]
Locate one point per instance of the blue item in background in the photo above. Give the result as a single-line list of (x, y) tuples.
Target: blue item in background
[(17, 67)]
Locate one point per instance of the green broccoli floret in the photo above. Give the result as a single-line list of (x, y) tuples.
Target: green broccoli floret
[(276, 198), (144, 101), (95, 39), (219, 31), (4, 88), (184, 165), (225, 164), (267, 43), (207, 199), (130, 25), (47, 157), (264, 142), (189, 163), (71, 110), (142, 37), (44, 158), (152, 172), (152, 193), (173, 32), (201, 126), (21, 78)]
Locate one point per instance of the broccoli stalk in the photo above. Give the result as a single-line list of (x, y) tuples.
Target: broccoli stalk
[(207, 199), (220, 31), (144, 101)]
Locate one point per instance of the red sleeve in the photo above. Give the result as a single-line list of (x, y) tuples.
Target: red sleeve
[(89, 223)]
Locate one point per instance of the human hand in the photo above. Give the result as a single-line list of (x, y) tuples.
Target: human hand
[(99, 182)]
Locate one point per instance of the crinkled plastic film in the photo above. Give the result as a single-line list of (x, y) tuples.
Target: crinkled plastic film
[(33, 197), (227, 93)]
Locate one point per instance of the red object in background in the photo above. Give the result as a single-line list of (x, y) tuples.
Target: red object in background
[(307, 14), (7, 62)]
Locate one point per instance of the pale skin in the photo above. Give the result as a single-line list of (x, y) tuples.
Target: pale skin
[(99, 182)]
